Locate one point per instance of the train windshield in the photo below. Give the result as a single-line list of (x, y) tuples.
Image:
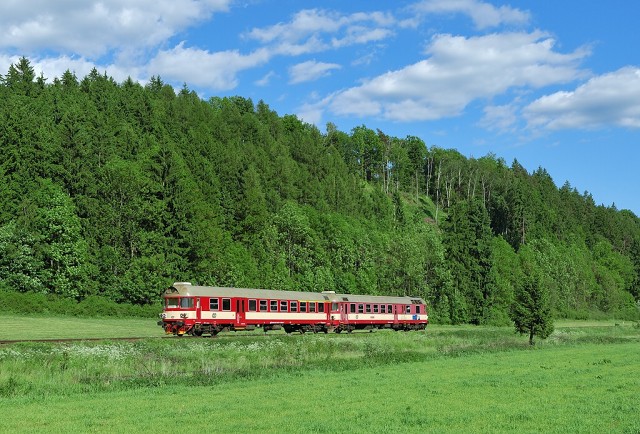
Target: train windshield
[(186, 302), (182, 302)]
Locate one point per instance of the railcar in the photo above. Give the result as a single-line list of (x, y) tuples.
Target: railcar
[(208, 310)]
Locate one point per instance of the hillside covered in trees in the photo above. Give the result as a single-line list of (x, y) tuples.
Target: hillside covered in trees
[(118, 189)]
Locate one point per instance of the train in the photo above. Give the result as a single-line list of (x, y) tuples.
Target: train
[(208, 310)]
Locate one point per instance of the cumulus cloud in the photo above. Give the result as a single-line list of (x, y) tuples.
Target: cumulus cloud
[(106, 25), (310, 71), (311, 112), (315, 30), (500, 118), (460, 70), (483, 14), (217, 70), (611, 99)]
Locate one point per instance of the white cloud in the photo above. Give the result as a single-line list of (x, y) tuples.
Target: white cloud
[(611, 99), (502, 118), (459, 71), (310, 71), (315, 30), (303, 24), (202, 68), (91, 29), (264, 81), (313, 111), (361, 35), (483, 14)]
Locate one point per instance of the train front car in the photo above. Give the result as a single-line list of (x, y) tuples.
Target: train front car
[(179, 314), (197, 310)]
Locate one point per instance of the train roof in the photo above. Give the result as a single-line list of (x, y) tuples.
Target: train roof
[(187, 289)]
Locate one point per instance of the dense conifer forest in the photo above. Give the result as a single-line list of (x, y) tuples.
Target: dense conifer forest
[(117, 189)]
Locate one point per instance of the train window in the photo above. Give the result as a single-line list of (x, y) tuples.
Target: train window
[(312, 307), (361, 308), (408, 309), (375, 308), (283, 306), (320, 307), (263, 305), (352, 308), (186, 302), (367, 308), (390, 308), (214, 304), (293, 306), (274, 305), (383, 308), (226, 304), (334, 306), (172, 302), (253, 305), (418, 309), (303, 306)]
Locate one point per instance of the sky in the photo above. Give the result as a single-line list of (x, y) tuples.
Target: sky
[(553, 84)]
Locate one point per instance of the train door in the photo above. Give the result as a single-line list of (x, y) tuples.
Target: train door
[(395, 313), (198, 309), (327, 311), (344, 313), (336, 314), (239, 311)]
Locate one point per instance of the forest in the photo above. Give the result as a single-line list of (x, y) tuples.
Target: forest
[(116, 190)]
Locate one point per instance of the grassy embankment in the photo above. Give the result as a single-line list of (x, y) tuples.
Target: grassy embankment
[(456, 379)]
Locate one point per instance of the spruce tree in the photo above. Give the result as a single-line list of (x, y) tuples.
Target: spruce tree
[(531, 309)]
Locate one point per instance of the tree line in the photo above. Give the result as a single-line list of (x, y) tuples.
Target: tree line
[(117, 189)]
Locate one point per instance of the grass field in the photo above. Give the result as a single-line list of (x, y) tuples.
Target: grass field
[(447, 379), (19, 327)]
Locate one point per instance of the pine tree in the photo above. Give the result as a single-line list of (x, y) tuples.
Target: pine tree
[(531, 309)]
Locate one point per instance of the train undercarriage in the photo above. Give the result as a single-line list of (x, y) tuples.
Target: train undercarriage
[(180, 328)]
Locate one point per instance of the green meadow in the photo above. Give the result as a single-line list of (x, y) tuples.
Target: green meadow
[(20, 327), (584, 378)]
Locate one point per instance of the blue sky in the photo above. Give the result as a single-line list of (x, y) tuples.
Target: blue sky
[(551, 84)]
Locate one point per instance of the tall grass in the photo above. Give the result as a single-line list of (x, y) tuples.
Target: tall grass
[(444, 380), (43, 369)]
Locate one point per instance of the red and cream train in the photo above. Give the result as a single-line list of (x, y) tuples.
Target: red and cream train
[(198, 310)]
